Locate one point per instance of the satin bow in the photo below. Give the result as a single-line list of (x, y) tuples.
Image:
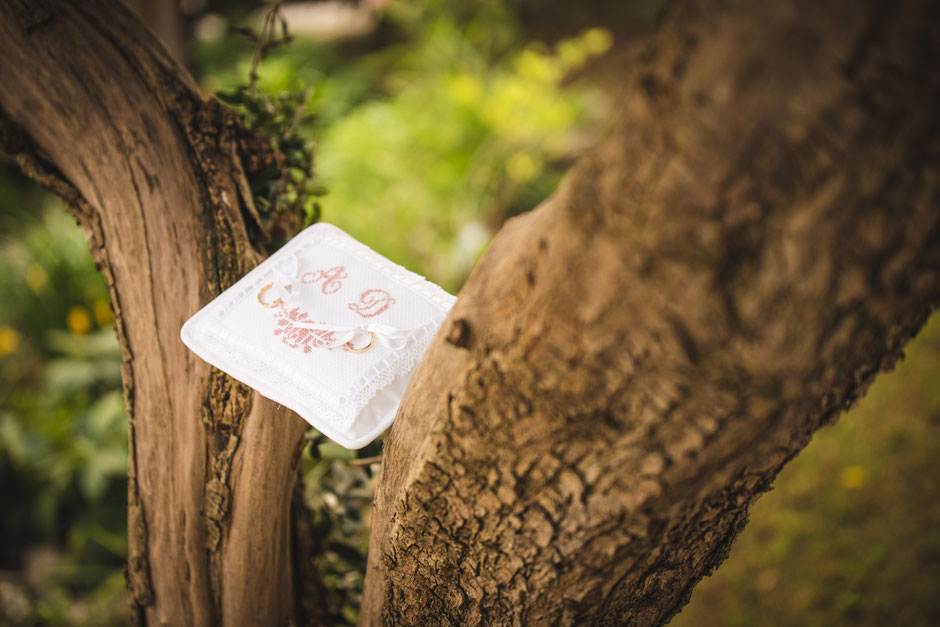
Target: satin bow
[(286, 279)]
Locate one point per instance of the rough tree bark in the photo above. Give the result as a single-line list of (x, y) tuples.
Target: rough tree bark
[(630, 365), (627, 368)]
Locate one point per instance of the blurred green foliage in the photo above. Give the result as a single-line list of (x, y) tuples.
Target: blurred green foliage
[(458, 148), (428, 142), (63, 428), (338, 488)]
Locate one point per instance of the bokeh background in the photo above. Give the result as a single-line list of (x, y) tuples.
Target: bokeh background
[(433, 123)]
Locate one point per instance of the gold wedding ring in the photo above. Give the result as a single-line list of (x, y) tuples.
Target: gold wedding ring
[(348, 346), (277, 301)]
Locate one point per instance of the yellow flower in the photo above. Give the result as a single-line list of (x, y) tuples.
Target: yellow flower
[(36, 278), (78, 320), (854, 477), (103, 313), (9, 340)]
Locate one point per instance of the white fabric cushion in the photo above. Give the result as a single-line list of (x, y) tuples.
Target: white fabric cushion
[(287, 327)]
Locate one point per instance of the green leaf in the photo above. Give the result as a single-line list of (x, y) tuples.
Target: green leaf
[(331, 450)]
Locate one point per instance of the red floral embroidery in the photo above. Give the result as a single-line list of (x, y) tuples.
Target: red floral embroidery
[(373, 302), (332, 278), (299, 337)]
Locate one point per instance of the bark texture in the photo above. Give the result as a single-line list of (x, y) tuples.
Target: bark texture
[(630, 365), (93, 107)]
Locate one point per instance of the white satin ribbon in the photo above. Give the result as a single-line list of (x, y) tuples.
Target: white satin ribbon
[(286, 279), (357, 337)]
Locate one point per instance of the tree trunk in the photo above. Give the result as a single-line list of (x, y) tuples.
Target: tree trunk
[(94, 108), (624, 373), (630, 365)]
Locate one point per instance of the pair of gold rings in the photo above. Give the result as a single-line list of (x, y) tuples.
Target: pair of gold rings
[(347, 346)]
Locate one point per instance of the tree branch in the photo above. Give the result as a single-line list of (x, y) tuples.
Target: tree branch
[(755, 239), (95, 109)]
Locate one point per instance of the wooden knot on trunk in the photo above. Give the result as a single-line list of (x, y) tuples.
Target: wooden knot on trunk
[(458, 333)]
